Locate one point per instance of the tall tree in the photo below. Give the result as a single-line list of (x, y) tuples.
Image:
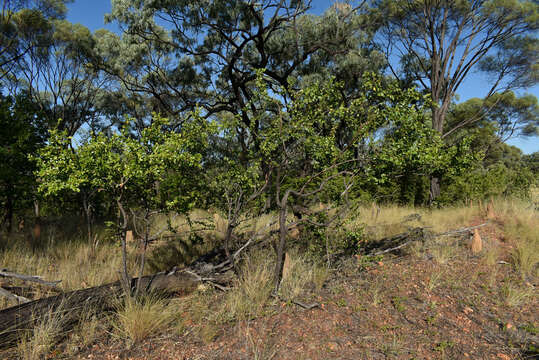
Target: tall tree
[(59, 77), (23, 132), (499, 118), (24, 24), (206, 53), (439, 43)]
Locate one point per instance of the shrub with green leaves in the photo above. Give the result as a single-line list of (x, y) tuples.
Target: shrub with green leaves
[(156, 169)]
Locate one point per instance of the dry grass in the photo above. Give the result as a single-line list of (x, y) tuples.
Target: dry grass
[(40, 341), (86, 332), (520, 224), (443, 251), (260, 349), (491, 254), (435, 280), (65, 255), (515, 295), (302, 274), (388, 220), (137, 319), (77, 265), (252, 291), (374, 291)]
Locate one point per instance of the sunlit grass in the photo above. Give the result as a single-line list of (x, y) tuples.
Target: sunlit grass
[(137, 319), (38, 342)]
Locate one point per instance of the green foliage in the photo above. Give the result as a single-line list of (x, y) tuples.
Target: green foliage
[(23, 132), (531, 161), (129, 169), (290, 101), (496, 37), (492, 181), (498, 169)]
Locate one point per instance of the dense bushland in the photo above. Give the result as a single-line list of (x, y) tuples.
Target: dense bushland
[(274, 139)]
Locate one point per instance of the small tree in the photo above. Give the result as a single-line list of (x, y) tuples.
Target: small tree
[(129, 170), (310, 148)]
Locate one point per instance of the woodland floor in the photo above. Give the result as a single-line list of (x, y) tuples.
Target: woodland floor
[(410, 305), (401, 307)]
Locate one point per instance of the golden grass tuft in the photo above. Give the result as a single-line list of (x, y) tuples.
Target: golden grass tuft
[(516, 295), (491, 254), (443, 251), (40, 341), (520, 224), (302, 274), (137, 319), (252, 291)]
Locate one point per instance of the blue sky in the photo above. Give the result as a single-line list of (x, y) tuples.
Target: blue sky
[(90, 13)]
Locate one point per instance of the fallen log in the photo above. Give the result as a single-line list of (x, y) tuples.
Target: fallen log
[(399, 241), (37, 279), (461, 230), (71, 306), (382, 246), (19, 299)]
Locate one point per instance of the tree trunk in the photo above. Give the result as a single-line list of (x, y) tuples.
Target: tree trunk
[(281, 244), (122, 230), (71, 306), (438, 117), (434, 188), (88, 214), (9, 213)]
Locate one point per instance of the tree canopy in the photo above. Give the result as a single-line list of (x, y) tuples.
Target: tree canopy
[(284, 99)]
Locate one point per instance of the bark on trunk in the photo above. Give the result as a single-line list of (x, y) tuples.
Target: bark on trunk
[(71, 306), (434, 188), (281, 244), (438, 117), (9, 213)]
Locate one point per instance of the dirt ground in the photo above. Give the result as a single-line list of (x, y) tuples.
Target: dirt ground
[(399, 307)]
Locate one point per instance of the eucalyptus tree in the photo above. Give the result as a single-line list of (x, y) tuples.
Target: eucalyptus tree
[(59, 76), (206, 53), (24, 25), (495, 119), (439, 43)]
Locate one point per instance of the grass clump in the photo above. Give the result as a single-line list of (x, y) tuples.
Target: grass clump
[(491, 254), (86, 332), (301, 274), (515, 295), (443, 251), (252, 291), (137, 319), (520, 227), (40, 341), (525, 257)]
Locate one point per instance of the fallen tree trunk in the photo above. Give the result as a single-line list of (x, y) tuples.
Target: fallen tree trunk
[(37, 279), (11, 296), (397, 242), (71, 306), (382, 246), (68, 308)]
